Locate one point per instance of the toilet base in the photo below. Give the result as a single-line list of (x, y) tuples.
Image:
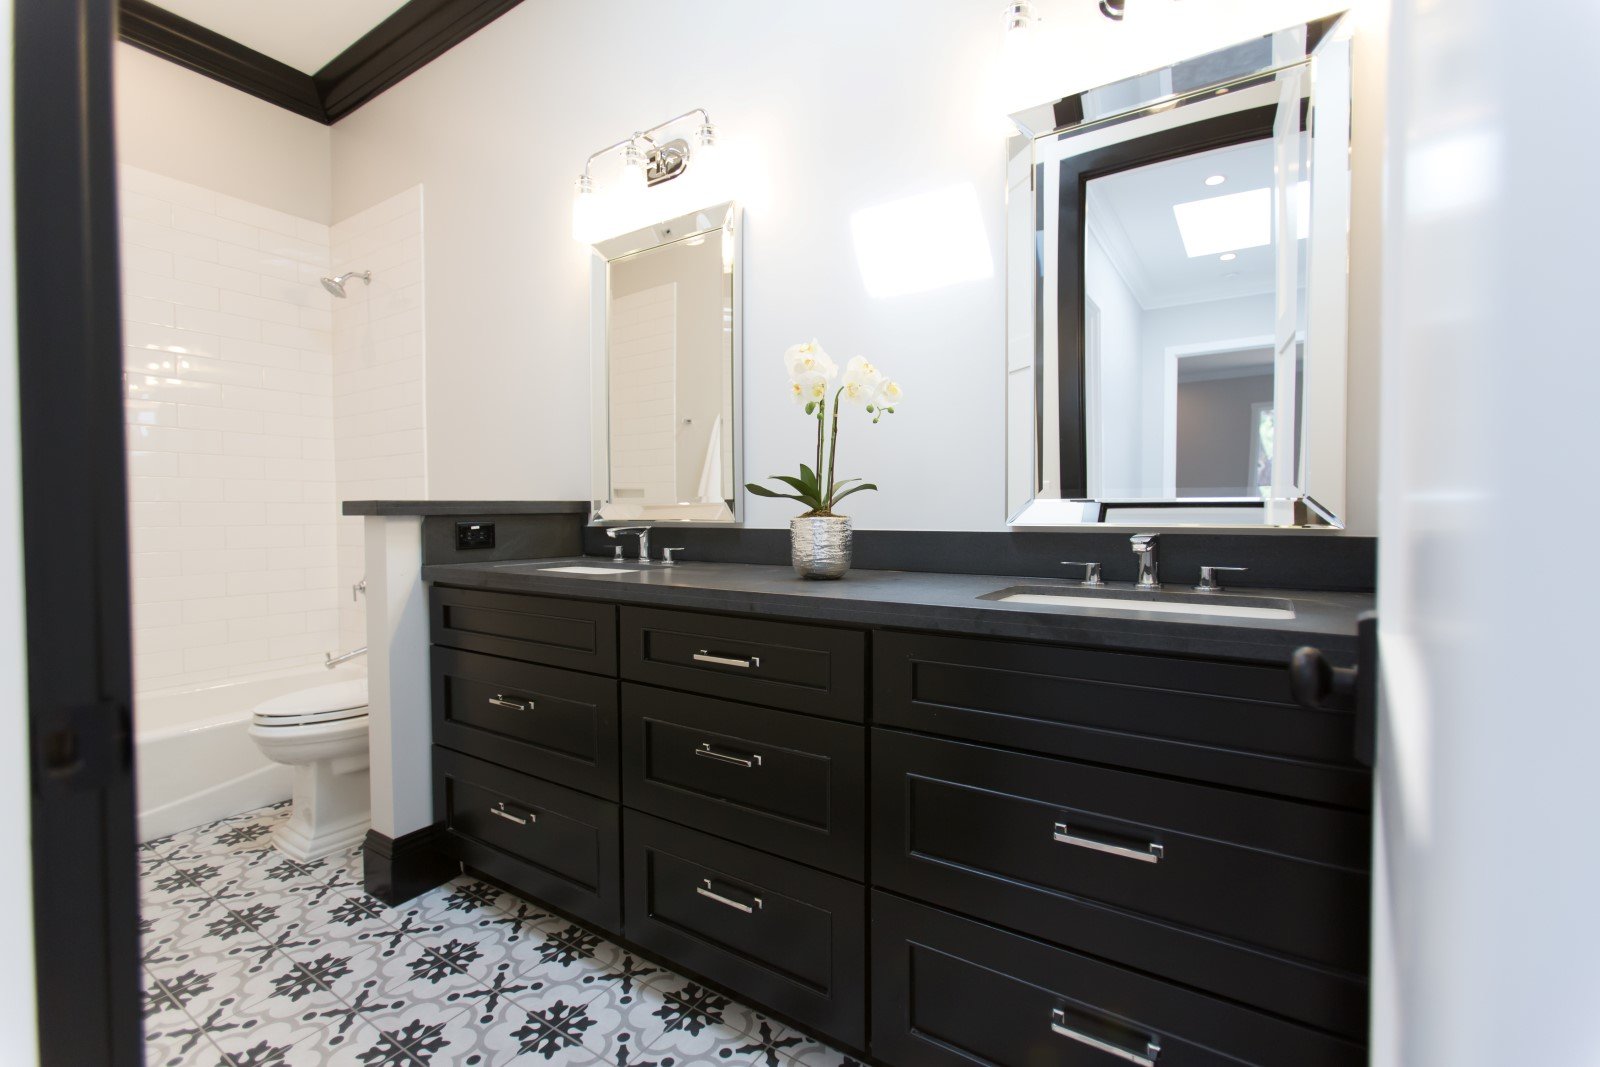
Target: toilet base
[(330, 813)]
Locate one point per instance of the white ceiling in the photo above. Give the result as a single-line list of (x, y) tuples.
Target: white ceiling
[(1131, 212), (302, 33)]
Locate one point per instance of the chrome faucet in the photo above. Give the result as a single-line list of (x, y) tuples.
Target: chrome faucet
[(1144, 547), (641, 532)]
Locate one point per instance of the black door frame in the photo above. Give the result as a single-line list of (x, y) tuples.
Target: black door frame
[(75, 540), (1077, 171)]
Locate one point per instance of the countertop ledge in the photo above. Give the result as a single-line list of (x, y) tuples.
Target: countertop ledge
[(947, 603), (476, 508)]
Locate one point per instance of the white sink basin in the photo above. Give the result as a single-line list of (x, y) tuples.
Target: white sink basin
[(575, 569), (1215, 605)]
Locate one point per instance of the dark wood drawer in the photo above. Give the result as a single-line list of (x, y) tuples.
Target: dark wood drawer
[(781, 934), (789, 784), (576, 634), (556, 845), (1222, 722), (1255, 898), (813, 669), (951, 992), (558, 725)]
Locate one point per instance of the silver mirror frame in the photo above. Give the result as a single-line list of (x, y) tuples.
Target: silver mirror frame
[(728, 220), (1198, 81)]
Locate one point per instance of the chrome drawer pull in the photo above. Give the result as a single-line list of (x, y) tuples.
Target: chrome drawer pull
[(1152, 1048), (705, 890), (499, 700), (708, 752), (705, 656), (506, 815), (1151, 853)]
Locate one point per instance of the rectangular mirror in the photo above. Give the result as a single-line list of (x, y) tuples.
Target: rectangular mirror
[(667, 365), (1177, 292)]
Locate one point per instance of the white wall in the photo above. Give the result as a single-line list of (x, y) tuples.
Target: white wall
[(18, 1005), (825, 108), (172, 121), (1485, 925), (379, 409), (1117, 414), (229, 399)]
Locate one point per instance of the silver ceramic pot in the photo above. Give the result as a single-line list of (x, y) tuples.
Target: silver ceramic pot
[(819, 546)]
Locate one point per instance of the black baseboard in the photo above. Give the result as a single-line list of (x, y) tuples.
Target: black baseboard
[(400, 868)]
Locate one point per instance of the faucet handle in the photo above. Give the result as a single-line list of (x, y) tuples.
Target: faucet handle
[(1208, 578), (1144, 542), (666, 555), (617, 556), (1091, 571)]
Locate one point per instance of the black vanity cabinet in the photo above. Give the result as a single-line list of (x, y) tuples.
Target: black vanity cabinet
[(1146, 852), (938, 848)]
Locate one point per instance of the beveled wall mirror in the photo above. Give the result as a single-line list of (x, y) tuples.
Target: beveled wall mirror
[(667, 363), (1177, 292)]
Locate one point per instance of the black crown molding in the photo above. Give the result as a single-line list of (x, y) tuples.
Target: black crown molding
[(406, 41)]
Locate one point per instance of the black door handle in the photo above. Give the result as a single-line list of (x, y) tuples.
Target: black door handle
[(1320, 685), (1316, 683)]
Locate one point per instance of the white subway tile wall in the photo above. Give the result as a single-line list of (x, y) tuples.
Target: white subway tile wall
[(228, 362), (250, 416), (378, 377)]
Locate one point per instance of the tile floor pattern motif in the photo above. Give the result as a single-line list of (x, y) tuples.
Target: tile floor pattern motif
[(252, 959)]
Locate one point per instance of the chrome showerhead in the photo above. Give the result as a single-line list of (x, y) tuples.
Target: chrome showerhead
[(336, 285)]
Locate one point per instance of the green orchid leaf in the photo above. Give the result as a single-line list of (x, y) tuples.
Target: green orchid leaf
[(809, 476), (808, 493), (840, 484), (761, 490), (855, 489)]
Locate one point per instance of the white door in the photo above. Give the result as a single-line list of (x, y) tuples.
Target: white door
[(1487, 887)]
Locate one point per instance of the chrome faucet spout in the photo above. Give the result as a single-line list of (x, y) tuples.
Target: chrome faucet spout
[(641, 532), (1144, 550)]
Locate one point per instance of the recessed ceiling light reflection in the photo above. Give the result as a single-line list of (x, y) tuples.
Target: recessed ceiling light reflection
[(1216, 179), (1228, 257)]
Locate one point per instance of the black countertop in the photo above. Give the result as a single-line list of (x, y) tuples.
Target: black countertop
[(472, 508), (934, 602)]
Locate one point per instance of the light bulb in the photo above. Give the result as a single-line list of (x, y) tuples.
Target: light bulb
[(633, 180), (705, 161), (584, 208)]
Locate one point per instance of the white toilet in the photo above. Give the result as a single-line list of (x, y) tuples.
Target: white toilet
[(322, 733)]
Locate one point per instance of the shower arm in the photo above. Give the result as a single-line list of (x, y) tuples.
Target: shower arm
[(331, 661)]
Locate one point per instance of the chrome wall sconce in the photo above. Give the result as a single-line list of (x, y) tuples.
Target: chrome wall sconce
[(648, 159), (1020, 16)]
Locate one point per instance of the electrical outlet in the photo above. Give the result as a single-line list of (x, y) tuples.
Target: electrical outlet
[(474, 535)]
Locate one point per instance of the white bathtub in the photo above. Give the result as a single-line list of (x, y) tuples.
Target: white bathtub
[(195, 760)]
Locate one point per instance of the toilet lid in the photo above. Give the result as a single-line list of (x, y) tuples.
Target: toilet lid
[(335, 700)]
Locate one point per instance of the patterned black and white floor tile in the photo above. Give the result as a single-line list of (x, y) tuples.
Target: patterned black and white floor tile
[(252, 959)]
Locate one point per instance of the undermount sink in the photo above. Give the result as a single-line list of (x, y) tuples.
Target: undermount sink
[(1214, 604), (577, 569)]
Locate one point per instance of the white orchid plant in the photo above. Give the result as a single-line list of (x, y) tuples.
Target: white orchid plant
[(811, 383)]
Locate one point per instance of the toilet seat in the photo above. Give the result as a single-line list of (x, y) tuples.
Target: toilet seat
[(309, 719), (335, 702)]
